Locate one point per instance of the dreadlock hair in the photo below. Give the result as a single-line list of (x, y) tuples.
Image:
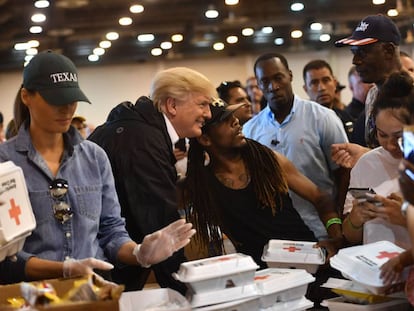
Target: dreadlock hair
[(267, 177)]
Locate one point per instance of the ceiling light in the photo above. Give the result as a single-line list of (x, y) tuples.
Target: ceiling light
[(41, 4), (211, 12), (146, 37), (105, 44), (325, 37), (297, 6), (232, 39), (38, 18), (166, 45), (218, 46), (33, 43), (28, 58), (279, 41), (136, 8), (156, 52), (267, 29), (231, 2), (31, 51), (177, 37), (392, 12), (316, 26), (36, 29), (99, 51), (125, 21), (378, 2), (112, 35), (93, 58), (296, 34), (247, 31), (21, 46)]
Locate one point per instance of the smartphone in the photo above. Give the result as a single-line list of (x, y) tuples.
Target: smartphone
[(408, 147), (364, 194)]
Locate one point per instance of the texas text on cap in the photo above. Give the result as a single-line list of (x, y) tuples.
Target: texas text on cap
[(220, 110), (55, 77), (371, 29)]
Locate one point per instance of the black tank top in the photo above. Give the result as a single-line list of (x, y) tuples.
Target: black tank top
[(250, 226)]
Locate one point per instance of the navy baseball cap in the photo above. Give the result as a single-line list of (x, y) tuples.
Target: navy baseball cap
[(371, 29), (55, 77), (220, 110)]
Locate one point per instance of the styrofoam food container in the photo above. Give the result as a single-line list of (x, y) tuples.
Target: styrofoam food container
[(16, 216), (299, 304), (279, 285), (160, 299), (362, 263), (293, 254), (339, 304), (222, 295), (248, 304), (217, 273)]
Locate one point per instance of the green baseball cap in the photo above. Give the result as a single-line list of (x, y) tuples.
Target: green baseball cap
[(55, 77)]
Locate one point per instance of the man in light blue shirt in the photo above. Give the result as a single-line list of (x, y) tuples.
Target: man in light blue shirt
[(301, 130)]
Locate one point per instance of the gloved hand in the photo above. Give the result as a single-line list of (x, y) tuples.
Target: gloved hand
[(72, 267), (160, 245)]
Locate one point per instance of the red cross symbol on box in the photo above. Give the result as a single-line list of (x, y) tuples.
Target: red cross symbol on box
[(291, 249), (385, 254), (15, 211)]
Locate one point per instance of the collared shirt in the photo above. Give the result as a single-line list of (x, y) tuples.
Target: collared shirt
[(171, 131), (305, 137), (96, 228)]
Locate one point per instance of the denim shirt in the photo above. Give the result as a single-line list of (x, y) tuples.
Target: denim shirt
[(96, 228)]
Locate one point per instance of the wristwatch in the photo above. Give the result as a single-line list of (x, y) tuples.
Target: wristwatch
[(404, 207)]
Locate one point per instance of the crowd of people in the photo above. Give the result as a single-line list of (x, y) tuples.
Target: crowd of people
[(259, 163)]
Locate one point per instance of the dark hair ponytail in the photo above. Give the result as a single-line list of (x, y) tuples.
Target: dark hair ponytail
[(20, 111)]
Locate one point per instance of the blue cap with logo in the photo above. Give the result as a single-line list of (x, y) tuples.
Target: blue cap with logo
[(55, 77), (371, 29)]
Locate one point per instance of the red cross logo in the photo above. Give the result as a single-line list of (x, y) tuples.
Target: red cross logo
[(291, 249), (15, 211), (385, 254)]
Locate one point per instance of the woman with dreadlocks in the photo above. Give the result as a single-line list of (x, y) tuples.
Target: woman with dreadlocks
[(243, 191)]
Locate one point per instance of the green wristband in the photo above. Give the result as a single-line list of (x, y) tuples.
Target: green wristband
[(332, 221)]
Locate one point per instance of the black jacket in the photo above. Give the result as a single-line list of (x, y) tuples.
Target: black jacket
[(139, 148)]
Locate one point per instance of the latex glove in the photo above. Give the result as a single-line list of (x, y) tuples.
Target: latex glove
[(72, 267), (160, 245)]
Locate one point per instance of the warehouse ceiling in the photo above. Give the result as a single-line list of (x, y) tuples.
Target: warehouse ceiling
[(76, 27)]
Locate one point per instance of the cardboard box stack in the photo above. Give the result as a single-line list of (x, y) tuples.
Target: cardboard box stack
[(293, 254), (231, 282), (16, 217)]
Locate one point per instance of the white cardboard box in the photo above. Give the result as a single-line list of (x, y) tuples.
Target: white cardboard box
[(160, 299), (16, 216), (217, 273), (293, 254), (362, 264), (281, 285), (292, 305)]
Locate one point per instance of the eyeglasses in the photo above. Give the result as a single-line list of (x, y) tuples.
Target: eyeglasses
[(61, 209)]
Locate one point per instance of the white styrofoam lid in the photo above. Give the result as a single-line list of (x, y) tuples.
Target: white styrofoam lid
[(16, 215), (362, 263), (223, 295), (292, 305), (274, 280), (153, 299), (293, 252), (214, 267)]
